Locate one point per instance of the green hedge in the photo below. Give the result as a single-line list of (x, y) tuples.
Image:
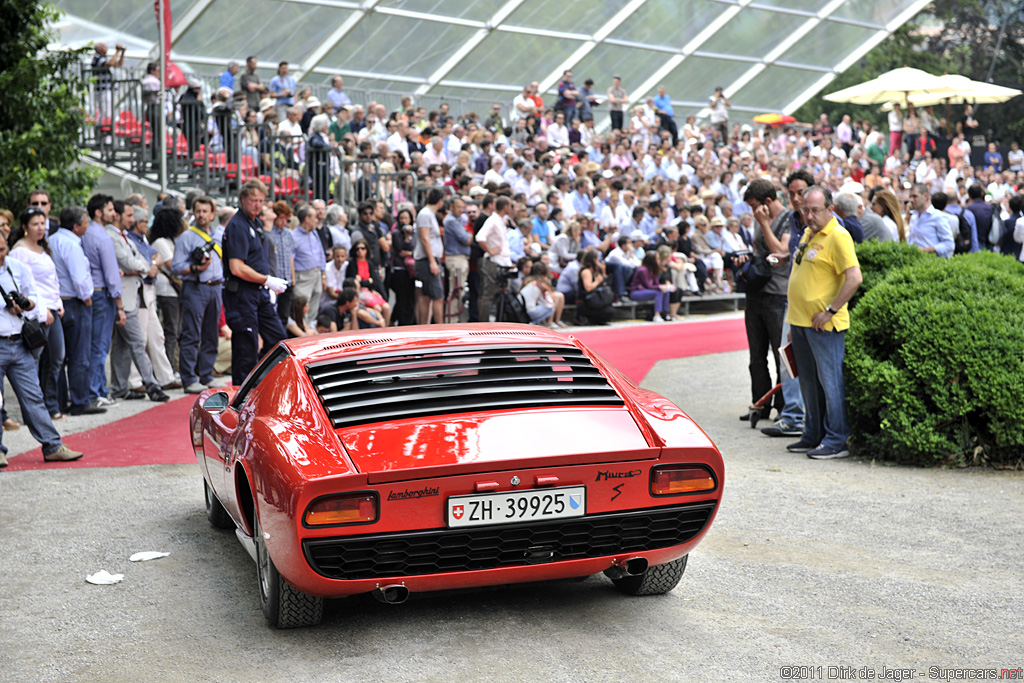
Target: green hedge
[(935, 362), (878, 259)]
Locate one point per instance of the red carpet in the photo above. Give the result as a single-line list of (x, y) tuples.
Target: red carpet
[(159, 436), (634, 350)]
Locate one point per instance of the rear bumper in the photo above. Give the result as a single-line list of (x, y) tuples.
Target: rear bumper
[(480, 556)]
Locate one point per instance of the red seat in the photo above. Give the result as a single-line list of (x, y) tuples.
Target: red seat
[(246, 168)]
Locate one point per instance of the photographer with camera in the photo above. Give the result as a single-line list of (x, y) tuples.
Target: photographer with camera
[(197, 260), (493, 239), (17, 362)]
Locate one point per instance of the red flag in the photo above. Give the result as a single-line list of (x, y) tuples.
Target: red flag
[(172, 74)]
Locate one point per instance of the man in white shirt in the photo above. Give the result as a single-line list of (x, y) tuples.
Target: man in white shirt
[(397, 142), (522, 105), (290, 126), (624, 212), (493, 239)]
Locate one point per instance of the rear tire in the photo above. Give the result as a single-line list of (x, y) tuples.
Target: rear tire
[(283, 605), (215, 512), (655, 581)]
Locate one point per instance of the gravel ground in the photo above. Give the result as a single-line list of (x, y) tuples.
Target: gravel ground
[(815, 564)]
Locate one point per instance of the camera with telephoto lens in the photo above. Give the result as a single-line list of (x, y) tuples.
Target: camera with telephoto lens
[(12, 299), (200, 254)]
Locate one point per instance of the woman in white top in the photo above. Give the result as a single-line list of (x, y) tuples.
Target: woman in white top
[(543, 303), (167, 225), (565, 246), (30, 247)]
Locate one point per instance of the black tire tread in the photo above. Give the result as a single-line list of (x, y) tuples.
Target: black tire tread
[(657, 580), (215, 512), (296, 609)]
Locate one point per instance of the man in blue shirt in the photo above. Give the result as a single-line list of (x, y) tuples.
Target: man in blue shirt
[(106, 300), (248, 310), (663, 108), (17, 363), (993, 159), (337, 96), (929, 230), (200, 297), (954, 209), (282, 89), (310, 263), (540, 226), (76, 292), (227, 79)]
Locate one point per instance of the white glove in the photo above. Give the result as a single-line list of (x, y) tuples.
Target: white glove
[(275, 284)]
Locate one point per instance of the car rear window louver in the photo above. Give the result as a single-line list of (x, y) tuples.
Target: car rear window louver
[(401, 385)]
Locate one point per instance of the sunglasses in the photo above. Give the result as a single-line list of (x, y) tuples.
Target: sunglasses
[(359, 249), (42, 203), (800, 249)]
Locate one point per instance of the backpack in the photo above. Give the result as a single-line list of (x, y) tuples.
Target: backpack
[(510, 308), (962, 239)]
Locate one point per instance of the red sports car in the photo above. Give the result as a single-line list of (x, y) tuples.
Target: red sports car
[(429, 458)]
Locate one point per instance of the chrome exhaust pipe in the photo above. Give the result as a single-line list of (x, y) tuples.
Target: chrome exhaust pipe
[(391, 595), (634, 566)]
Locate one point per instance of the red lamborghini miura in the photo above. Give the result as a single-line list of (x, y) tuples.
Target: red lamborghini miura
[(430, 458)]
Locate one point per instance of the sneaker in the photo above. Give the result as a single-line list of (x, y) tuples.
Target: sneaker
[(3, 460), (800, 447), (195, 388), (104, 401), (827, 453), (657, 318), (157, 395), (218, 382), (783, 428), (62, 454), (11, 426)]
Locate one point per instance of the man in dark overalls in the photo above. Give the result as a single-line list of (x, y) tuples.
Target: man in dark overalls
[(248, 309)]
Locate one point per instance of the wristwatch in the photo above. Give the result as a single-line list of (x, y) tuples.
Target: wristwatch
[(830, 311)]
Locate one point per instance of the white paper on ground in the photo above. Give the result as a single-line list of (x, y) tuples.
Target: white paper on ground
[(146, 555), (104, 578)]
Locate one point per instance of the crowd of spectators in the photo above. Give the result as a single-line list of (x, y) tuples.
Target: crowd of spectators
[(544, 204)]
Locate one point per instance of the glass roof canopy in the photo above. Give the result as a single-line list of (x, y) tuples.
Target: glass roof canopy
[(769, 55)]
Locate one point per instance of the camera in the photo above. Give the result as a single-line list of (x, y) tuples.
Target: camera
[(12, 299), (200, 254)]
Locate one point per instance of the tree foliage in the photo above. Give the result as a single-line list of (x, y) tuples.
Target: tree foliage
[(40, 117), (965, 44)]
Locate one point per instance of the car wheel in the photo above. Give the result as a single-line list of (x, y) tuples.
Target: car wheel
[(283, 605), (215, 512), (655, 581)]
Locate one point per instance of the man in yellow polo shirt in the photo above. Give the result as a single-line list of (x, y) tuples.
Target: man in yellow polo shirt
[(825, 275)]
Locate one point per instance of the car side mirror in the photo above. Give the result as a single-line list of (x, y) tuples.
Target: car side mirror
[(216, 403)]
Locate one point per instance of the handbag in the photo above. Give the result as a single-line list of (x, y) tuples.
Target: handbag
[(599, 297), (754, 274)]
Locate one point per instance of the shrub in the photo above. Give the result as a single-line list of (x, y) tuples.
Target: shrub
[(935, 364), (878, 259)]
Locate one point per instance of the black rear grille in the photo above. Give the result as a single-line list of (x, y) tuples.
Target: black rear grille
[(452, 550), (401, 385)]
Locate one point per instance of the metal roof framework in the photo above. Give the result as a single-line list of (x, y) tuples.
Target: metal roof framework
[(769, 55)]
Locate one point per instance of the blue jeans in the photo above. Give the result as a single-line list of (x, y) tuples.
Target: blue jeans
[(197, 347), (620, 276), (103, 314), (819, 362), (660, 298), (18, 365), (793, 408), (77, 324), (51, 360), (540, 313)]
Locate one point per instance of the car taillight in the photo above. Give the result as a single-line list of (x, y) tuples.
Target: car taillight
[(353, 508), (677, 479)]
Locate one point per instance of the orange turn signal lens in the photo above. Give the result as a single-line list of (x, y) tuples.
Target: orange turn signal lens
[(670, 481), (359, 508)]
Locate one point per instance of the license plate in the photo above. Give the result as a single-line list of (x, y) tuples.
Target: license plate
[(517, 506)]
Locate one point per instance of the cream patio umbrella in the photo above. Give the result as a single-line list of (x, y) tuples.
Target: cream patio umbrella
[(897, 85), (966, 90)]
